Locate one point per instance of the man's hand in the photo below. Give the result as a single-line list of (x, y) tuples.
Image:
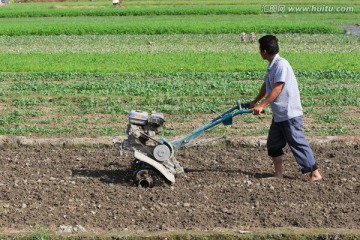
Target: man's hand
[(269, 98), (257, 109)]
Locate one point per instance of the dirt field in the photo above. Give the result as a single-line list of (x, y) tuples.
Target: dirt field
[(224, 187)]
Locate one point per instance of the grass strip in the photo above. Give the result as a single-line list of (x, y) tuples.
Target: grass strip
[(170, 62), (170, 43)]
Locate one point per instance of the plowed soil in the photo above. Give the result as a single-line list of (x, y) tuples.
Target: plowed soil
[(224, 186)]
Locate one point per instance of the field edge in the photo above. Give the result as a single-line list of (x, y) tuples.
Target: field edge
[(286, 233), (106, 141)]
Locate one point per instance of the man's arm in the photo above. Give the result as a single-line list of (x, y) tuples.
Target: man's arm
[(260, 95), (269, 98)]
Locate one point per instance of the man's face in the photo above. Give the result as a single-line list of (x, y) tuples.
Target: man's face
[(262, 53)]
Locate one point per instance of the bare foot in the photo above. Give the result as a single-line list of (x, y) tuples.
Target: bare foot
[(278, 175), (315, 176)]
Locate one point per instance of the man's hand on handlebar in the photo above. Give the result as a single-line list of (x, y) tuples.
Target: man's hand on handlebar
[(258, 109)]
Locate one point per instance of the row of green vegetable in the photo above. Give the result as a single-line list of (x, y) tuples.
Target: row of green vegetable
[(141, 8), (194, 24)]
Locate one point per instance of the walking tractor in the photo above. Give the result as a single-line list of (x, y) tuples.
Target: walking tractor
[(155, 156)]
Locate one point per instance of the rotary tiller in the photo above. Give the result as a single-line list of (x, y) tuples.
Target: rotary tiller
[(155, 157)]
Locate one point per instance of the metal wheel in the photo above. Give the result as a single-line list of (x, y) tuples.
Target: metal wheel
[(144, 179), (148, 178), (162, 153)]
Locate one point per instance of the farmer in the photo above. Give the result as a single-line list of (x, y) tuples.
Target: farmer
[(281, 91)]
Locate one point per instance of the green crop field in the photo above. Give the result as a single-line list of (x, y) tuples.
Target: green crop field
[(75, 69)]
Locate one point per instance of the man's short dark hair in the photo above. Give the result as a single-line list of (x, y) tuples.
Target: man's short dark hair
[(270, 44)]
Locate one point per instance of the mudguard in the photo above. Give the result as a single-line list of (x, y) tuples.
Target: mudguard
[(163, 170)]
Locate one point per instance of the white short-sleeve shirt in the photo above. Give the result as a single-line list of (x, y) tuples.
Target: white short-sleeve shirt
[(288, 104)]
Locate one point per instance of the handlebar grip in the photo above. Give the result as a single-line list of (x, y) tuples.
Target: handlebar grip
[(245, 105), (250, 111)]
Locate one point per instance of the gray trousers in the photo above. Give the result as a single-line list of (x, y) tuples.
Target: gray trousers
[(291, 132)]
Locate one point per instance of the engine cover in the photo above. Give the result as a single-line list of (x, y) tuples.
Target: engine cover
[(138, 117)]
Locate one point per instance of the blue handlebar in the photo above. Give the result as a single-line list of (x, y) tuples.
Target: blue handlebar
[(225, 118)]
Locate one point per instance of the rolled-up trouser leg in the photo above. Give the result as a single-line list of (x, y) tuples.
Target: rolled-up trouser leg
[(276, 140), (299, 146)]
